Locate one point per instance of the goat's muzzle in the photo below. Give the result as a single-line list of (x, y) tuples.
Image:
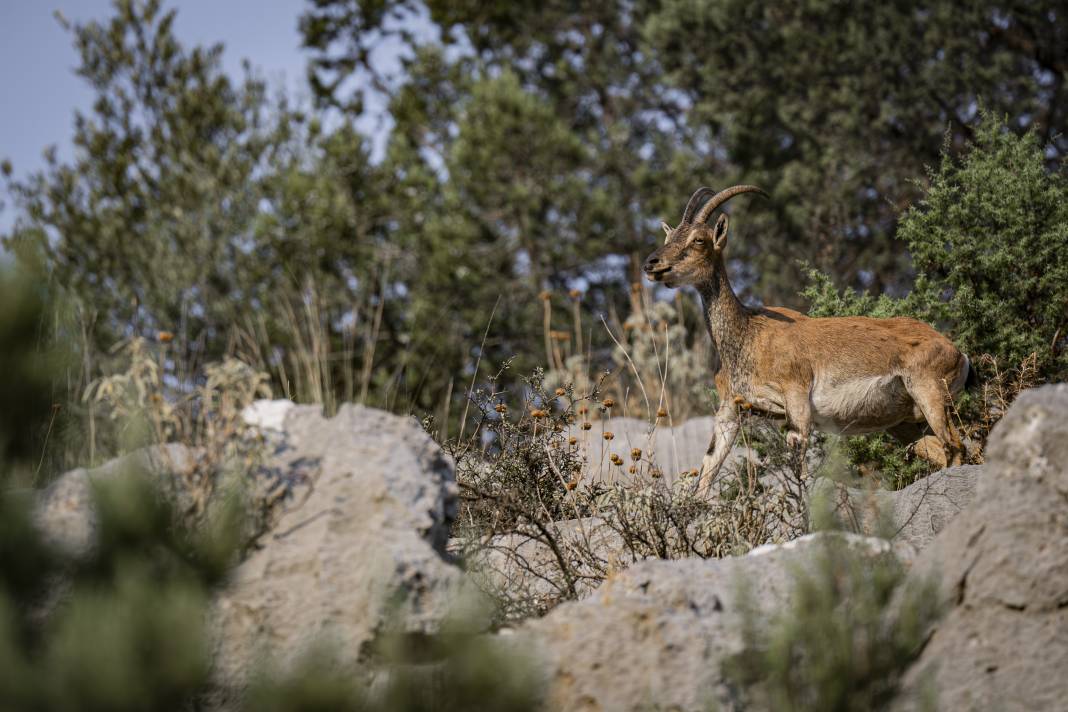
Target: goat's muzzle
[(654, 267)]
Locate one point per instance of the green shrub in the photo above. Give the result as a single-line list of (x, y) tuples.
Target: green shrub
[(989, 243), (28, 368)]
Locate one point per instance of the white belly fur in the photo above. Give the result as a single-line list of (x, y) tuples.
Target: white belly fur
[(860, 405)]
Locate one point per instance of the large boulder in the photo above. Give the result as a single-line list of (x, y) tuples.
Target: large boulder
[(359, 551), (1003, 571), (658, 634)]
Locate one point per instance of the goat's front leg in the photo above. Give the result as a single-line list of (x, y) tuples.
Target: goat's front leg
[(799, 419), (724, 434)]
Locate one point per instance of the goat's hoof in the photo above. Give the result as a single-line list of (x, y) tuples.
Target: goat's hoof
[(931, 449)]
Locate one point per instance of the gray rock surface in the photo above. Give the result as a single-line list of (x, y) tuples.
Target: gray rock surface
[(358, 552), (913, 515), (657, 634), (1003, 568), (64, 511)]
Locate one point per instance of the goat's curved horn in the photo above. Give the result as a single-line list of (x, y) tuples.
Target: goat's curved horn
[(722, 197), (694, 202)]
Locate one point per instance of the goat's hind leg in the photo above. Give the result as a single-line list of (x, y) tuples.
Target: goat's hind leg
[(918, 438), (930, 397)]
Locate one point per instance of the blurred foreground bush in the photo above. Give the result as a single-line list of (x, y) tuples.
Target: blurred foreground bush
[(853, 627), (125, 625)]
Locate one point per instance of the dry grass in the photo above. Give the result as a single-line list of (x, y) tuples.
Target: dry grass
[(145, 410), (659, 367)]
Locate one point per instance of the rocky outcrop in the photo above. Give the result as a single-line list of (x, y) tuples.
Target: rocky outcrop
[(358, 552), (1003, 571), (657, 634)]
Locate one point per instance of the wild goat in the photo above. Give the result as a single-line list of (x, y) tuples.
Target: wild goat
[(847, 375)]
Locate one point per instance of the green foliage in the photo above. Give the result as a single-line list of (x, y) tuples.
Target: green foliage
[(199, 207), (989, 241), (834, 107), (886, 459), (124, 631), (28, 363), (990, 245), (120, 627), (851, 630), (825, 300)]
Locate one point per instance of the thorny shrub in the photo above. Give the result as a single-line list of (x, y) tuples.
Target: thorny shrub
[(545, 516)]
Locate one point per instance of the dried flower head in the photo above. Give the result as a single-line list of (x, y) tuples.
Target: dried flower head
[(608, 435), (572, 440), (583, 410), (560, 392), (636, 454), (738, 400), (501, 408), (538, 413), (609, 402), (571, 485), (574, 294), (586, 425), (545, 296), (632, 470), (661, 412), (165, 337)]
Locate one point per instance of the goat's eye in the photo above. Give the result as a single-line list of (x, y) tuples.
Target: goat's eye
[(699, 241)]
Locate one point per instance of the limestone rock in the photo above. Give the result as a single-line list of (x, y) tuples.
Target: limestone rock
[(658, 634), (1003, 568), (913, 515), (358, 552)]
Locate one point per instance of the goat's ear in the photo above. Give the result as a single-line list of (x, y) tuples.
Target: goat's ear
[(719, 233), (667, 230)]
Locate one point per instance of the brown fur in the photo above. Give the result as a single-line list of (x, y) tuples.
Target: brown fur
[(842, 374)]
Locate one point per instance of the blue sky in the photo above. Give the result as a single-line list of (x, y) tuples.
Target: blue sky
[(40, 90)]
